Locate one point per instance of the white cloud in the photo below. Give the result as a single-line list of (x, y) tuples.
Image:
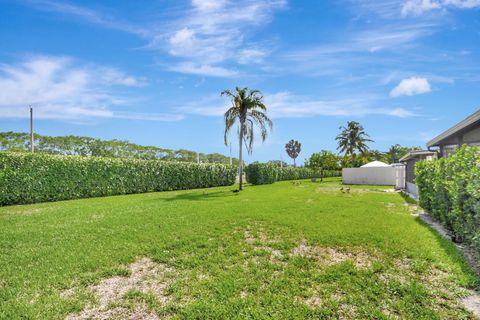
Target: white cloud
[(203, 69), (288, 105), (411, 86), (116, 77), (419, 7), (61, 88), (215, 33), (251, 55), (208, 5), (463, 4)]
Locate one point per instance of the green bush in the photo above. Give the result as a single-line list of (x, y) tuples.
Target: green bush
[(265, 173), (261, 173), (292, 173), (449, 190), (30, 178)]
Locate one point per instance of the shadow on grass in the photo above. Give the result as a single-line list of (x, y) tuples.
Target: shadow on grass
[(467, 265), (408, 199), (201, 196)]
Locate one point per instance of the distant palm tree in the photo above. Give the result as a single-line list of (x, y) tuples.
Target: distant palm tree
[(249, 110), (293, 149), (353, 138), (394, 153)]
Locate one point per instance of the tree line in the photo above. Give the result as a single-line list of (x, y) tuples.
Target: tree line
[(88, 146)]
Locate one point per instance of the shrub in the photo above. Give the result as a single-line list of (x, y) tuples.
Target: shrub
[(261, 173), (265, 173), (450, 190), (30, 178), (291, 173)]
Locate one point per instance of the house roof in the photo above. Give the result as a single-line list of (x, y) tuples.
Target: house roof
[(472, 119), (415, 153), (375, 164)]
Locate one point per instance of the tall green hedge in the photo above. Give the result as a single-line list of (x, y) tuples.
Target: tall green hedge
[(30, 178), (450, 190), (261, 173), (266, 173)]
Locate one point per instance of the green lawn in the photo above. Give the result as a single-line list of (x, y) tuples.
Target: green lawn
[(277, 251)]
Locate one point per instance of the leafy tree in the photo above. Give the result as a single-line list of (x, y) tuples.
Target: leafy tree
[(394, 153), (324, 159), (278, 163), (293, 149), (378, 155), (249, 110), (351, 139)]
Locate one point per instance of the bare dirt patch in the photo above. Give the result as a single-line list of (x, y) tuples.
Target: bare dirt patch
[(258, 237), (348, 190), (472, 303), (328, 256), (146, 276), (27, 210), (313, 302), (259, 241)]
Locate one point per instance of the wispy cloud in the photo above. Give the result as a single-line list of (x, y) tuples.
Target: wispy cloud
[(410, 87), (288, 105), (61, 88), (203, 70), (419, 7), (89, 15), (395, 9), (388, 37), (205, 39), (213, 33)]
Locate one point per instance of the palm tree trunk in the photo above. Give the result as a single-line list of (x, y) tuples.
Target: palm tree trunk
[(240, 157), (294, 163)]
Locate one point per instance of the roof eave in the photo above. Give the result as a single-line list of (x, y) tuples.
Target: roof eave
[(459, 126)]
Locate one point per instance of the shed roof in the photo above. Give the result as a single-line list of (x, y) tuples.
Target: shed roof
[(470, 120), (375, 164), (416, 153)]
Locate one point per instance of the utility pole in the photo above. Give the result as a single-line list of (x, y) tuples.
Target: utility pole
[(198, 157), (32, 148)]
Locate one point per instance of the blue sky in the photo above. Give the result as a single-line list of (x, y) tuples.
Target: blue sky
[(151, 71)]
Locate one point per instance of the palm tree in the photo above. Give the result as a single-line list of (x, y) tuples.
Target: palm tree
[(293, 149), (249, 110), (394, 153), (353, 138)]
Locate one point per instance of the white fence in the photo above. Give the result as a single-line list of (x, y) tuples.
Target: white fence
[(390, 176)]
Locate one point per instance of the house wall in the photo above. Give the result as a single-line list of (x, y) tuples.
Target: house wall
[(372, 175), (470, 137), (410, 170), (412, 190)]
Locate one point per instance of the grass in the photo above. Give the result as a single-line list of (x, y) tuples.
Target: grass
[(277, 251)]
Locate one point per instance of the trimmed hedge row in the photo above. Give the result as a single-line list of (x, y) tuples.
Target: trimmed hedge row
[(449, 189), (266, 173), (30, 178), (261, 173)]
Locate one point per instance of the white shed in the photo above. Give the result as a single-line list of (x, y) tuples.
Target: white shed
[(376, 173), (375, 164)]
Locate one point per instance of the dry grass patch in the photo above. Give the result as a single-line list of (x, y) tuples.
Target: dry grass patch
[(146, 277), (327, 256)]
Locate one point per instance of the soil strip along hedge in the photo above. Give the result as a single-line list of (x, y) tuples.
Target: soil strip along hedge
[(30, 178)]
